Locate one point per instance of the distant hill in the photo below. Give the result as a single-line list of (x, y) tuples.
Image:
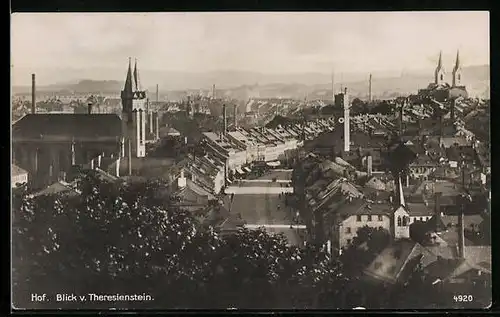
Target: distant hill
[(243, 85)]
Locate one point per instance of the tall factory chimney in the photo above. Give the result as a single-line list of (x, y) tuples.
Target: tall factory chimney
[(213, 91), (224, 120), (157, 93), (347, 128), (401, 114), (235, 116), (461, 237), (33, 94), (370, 89)]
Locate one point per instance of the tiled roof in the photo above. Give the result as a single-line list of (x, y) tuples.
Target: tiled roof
[(418, 210), (390, 263), (73, 125)]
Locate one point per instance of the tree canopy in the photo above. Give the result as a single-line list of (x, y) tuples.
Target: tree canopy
[(129, 238)]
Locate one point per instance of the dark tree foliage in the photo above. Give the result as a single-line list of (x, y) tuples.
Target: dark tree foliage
[(129, 238), (364, 247)]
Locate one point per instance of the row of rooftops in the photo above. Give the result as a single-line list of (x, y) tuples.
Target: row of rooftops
[(266, 136)]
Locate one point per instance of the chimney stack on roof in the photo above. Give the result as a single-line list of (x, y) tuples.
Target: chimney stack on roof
[(33, 94)]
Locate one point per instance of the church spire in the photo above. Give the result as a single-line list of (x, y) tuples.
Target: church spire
[(457, 61), (137, 82), (440, 61), (128, 81), (439, 73)]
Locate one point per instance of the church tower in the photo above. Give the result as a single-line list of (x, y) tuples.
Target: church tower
[(439, 72), (457, 72), (134, 114)]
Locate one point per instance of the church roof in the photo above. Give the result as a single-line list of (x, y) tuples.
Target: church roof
[(68, 125)]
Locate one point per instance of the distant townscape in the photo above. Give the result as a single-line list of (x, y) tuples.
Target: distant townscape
[(263, 196)]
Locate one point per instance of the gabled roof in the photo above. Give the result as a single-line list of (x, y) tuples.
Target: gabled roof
[(57, 188), (68, 125)]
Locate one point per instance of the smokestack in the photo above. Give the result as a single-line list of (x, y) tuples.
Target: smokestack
[(224, 120), (461, 238), (370, 89), (407, 180), (99, 158), (129, 160), (401, 113), (235, 117), (213, 91), (92, 164), (347, 128), (157, 93), (369, 165), (33, 94)]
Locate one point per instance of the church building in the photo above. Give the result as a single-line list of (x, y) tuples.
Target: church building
[(47, 146), (440, 89)]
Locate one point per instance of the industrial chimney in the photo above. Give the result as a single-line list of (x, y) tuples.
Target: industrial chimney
[(461, 237), (401, 113), (213, 91), (370, 89), (224, 120), (347, 129), (157, 93), (235, 116), (33, 94)]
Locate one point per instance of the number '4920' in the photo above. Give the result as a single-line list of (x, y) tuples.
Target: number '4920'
[(463, 298)]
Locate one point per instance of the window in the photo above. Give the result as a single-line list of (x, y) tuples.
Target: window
[(441, 76), (348, 230), (421, 218), (380, 218), (399, 221), (369, 217), (405, 221), (458, 76), (358, 218)]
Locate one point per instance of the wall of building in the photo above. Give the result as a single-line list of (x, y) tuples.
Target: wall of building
[(401, 231), (354, 223), (19, 179)]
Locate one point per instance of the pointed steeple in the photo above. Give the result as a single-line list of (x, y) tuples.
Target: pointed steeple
[(400, 190), (457, 62), (128, 81), (439, 73), (440, 61), (137, 82)]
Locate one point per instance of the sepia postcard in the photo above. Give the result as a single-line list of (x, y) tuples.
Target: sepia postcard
[(251, 160)]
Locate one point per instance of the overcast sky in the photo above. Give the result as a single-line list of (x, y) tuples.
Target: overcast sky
[(263, 42)]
